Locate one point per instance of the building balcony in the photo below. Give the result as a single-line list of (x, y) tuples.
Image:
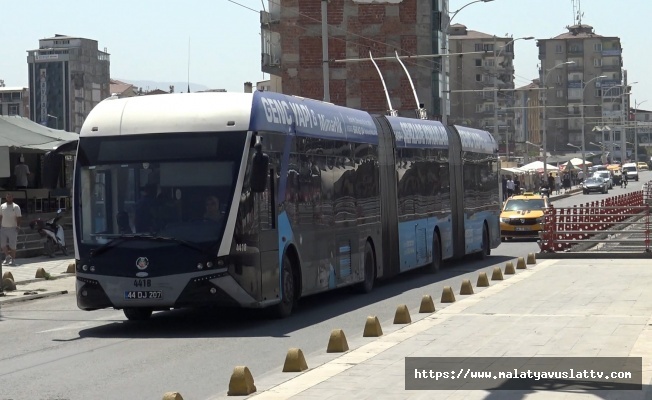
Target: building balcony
[(270, 64), (611, 52)]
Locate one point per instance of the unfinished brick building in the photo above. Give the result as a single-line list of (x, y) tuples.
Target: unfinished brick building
[(292, 51)]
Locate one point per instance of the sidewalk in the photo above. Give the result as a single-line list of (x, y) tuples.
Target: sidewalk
[(29, 288), (556, 308)]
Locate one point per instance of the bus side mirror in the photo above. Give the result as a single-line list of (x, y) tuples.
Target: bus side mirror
[(258, 179)]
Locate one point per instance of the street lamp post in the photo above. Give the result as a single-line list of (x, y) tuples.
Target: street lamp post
[(535, 145), (56, 120), (584, 85), (603, 158), (496, 90), (444, 60), (545, 100)]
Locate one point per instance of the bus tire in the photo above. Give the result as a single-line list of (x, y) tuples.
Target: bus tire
[(435, 264), (284, 308), (485, 248), (367, 285), (137, 314)]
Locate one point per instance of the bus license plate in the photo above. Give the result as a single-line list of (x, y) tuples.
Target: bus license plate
[(143, 295), (522, 228)]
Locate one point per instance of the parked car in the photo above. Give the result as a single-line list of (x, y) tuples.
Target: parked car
[(606, 175), (595, 184), (631, 169), (523, 216), (642, 166)]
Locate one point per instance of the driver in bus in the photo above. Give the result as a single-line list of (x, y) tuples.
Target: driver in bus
[(213, 212)]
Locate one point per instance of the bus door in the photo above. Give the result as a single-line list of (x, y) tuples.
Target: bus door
[(265, 210)]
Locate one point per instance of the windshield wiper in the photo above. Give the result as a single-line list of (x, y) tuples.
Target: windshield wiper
[(105, 247)]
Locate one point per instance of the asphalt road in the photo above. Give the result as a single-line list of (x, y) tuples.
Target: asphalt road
[(51, 350)]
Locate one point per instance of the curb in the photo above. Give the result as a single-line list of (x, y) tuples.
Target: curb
[(53, 278), (4, 300)]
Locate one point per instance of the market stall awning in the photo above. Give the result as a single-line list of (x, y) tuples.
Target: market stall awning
[(23, 134)]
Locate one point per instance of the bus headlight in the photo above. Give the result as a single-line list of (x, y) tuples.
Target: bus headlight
[(85, 268), (200, 266), (209, 265)]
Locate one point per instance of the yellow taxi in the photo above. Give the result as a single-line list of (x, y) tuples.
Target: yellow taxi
[(522, 216), (642, 166)]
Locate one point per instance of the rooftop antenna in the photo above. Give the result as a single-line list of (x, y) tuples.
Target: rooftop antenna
[(188, 64)]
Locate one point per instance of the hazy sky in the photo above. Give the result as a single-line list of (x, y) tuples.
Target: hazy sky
[(148, 39)]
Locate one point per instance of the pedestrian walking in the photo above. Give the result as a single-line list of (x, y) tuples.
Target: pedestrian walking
[(9, 222)]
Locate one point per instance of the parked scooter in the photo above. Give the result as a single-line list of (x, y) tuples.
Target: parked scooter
[(53, 234)]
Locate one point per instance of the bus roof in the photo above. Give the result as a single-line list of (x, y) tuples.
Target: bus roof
[(163, 113), (412, 132)]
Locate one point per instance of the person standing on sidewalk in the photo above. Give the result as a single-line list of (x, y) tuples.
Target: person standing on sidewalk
[(9, 222)]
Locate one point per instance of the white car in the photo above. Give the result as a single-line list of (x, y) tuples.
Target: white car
[(606, 175), (631, 169)]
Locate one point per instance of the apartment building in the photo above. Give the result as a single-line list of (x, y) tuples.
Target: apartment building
[(292, 50), (528, 110), (14, 101), (482, 84), (68, 76), (571, 64)]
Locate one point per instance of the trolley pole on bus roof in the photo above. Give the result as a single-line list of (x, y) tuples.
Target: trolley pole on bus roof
[(324, 46)]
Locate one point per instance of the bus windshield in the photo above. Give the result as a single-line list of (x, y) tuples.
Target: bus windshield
[(166, 185)]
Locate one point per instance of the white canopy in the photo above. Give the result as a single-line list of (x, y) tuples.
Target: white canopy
[(537, 165), (579, 161), (514, 170)]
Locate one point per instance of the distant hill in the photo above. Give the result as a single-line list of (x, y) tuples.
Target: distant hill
[(178, 86)]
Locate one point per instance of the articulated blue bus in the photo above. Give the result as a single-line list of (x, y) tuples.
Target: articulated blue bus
[(256, 200)]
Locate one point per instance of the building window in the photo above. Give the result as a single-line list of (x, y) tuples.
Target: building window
[(557, 48), (597, 47), (488, 47), (478, 77), (597, 62), (13, 109), (560, 93), (479, 107), (558, 78), (598, 92), (478, 62), (489, 63), (479, 47)]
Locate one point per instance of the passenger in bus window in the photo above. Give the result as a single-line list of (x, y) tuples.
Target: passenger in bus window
[(213, 211)]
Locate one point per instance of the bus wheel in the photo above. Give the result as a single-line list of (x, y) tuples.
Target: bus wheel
[(435, 264), (284, 308), (485, 249), (367, 285), (137, 314)]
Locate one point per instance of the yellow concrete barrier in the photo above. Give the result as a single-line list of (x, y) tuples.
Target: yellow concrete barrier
[(337, 342), (40, 273), (71, 268), (172, 396), (466, 287), (241, 383), (402, 315), (8, 275), (372, 327), (8, 284), (483, 280), (295, 361), (520, 264), (447, 295), (427, 305), (497, 274), (509, 268), (531, 258)]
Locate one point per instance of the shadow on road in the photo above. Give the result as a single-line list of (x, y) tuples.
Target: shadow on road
[(214, 322)]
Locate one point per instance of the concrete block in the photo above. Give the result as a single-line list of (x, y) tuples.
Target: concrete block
[(466, 288), (40, 273), (172, 396), (71, 268), (447, 295), (9, 275), (372, 327), (241, 383), (531, 259), (520, 264), (8, 284), (402, 315), (295, 361), (337, 342), (427, 305), (497, 275), (509, 268), (483, 280)]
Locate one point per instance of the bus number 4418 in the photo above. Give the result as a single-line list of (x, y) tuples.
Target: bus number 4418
[(142, 282)]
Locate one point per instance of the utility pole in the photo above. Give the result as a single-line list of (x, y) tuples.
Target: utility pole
[(324, 47)]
